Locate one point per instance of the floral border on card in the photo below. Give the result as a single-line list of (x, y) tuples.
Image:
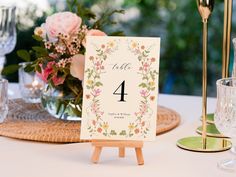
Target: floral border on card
[(141, 125)]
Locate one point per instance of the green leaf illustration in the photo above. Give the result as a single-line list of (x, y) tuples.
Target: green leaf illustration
[(143, 85), (98, 84), (122, 133)]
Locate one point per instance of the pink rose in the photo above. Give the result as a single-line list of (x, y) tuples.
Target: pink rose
[(77, 66), (93, 32), (62, 22), (40, 31), (46, 71)]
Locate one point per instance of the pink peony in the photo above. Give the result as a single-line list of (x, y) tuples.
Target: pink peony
[(93, 32), (77, 66), (62, 22), (46, 71)]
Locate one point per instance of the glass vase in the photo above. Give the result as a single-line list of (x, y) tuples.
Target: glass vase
[(62, 105)]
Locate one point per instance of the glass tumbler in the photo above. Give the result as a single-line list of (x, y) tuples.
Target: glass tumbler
[(30, 85), (3, 99), (225, 117)]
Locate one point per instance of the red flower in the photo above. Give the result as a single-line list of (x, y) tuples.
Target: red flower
[(99, 130), (58, 80), (87, 96), (45, 72), (93, 122), (152, 98), (143, 123), (136, 131)]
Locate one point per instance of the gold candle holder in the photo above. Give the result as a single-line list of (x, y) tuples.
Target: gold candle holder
[(228, 5), (204, 143)]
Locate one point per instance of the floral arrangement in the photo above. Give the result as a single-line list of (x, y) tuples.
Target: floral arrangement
[(59, 58)]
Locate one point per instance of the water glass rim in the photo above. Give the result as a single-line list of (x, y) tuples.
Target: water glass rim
[(7, 7), (24, 64), (219, 82), (3, 80)]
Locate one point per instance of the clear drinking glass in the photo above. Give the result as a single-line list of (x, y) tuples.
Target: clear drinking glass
[(225, 116), (30, 85), (3, 99), (7, 32)]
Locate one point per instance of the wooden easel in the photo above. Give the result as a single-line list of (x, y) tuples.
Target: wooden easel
[(99, 144)]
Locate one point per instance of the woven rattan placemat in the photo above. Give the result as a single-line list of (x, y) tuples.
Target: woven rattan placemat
[(30, 122)]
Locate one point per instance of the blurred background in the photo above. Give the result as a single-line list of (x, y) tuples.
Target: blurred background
[(177, 22)]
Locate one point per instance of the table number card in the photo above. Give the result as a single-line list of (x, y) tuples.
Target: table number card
[(120, 88)]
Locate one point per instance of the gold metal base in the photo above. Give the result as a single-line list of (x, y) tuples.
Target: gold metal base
[(211, 131), (210, 118), (195, 143)]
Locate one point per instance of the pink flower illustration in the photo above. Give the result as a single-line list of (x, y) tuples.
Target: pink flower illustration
[(99, 130), (136, 131), (96, 92), (144, 93)]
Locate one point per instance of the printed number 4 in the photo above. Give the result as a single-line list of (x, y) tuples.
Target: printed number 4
[(122, 91)]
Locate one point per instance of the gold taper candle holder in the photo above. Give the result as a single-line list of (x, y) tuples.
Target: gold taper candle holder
[(228, 5), (204, 143)]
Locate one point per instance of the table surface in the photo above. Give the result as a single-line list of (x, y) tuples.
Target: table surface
[(162, 158)]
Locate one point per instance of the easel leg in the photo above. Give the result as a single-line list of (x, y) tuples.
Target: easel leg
[(121, 152), (121, 145), (139, 155), (96, 154)]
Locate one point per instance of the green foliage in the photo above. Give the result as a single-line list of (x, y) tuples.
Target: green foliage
[(177, 22), (10, 69), (40, 51), (24, 55), (37, 38), (106, 20)]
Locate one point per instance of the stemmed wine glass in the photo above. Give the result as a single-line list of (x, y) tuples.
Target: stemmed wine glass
[(225, 116), (7, 32)]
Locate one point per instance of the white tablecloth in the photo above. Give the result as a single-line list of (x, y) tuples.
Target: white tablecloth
[(162, 157)]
